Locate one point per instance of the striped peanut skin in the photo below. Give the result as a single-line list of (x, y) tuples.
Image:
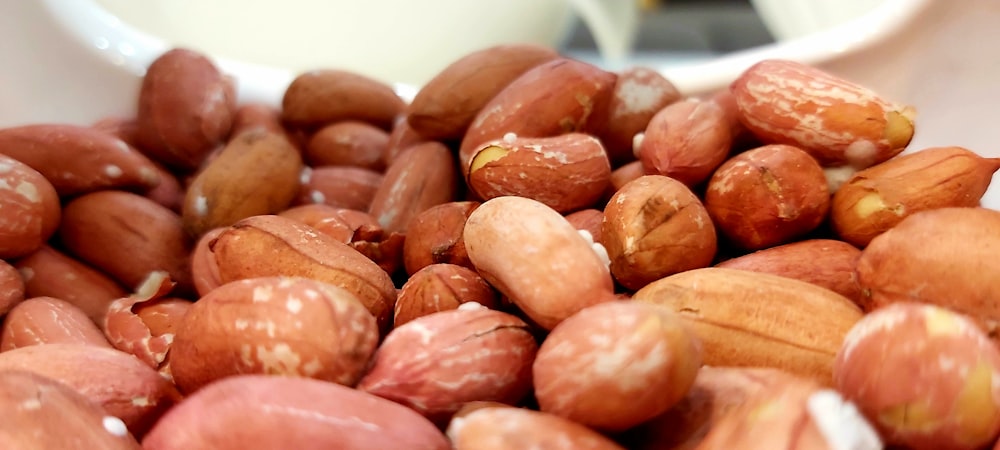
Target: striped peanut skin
[(838, 122), (559, 96), (437, 363), (566, 172)]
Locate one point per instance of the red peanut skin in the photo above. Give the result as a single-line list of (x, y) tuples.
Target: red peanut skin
[(534, 257), (422, 177), (500, 428), (77, 160), (555, 97), (325, 96), (437, 363), (40, 413), (186, 109), (824, 262), (47, 320), (51, 273), (566, 172), (128, 236), (950, 367), (435, 236), (275, 326), (348, 143), (278, 413), (11, 287), (615, 365), (838, 122), (339, 186), (29, 208), (767, 196), (124, 386)]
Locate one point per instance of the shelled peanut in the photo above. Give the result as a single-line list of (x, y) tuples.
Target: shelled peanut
[(535, 251)]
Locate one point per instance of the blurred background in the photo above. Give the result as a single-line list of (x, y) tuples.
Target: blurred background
[(682, 31)]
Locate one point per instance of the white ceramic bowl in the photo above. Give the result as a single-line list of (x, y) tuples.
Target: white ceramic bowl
[(76, 63)]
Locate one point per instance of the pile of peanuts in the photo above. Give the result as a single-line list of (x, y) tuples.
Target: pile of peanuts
[(533, 252)]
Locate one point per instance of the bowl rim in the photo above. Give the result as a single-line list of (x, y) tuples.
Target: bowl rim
[(119, 44)]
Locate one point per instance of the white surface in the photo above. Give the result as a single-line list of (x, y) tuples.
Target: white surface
[(67, 62)]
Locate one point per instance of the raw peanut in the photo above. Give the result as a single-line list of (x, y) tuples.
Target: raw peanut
[(879, 197), (51, 273), (441, 287), (687, 141), (638, 95), (143, 324), (797, 415), (939, 257), (186, 109), (273, 326), (655, 226), (500, 428), (29, 208), (534, 257), (436, 363), (925, 376), (76, 159), (279, 413), (11, 287), (124, 128), (589, 220), (256, 173), (555, 97), (339, 186), (748, 319), (623, 175), (204, 268), (321, 97), (422, 177), (128, 236), (47, 320), (264, 246), (768, 196), (40, 413), (446, 105), (168, 192), (401, 138), (743, 139), (824, 262), (355, 228), (348, 143), (836, 121), (338, 223), (566, 172), (249, 116), (435, 236), (716, 392), (124, 386), (615, 365)]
